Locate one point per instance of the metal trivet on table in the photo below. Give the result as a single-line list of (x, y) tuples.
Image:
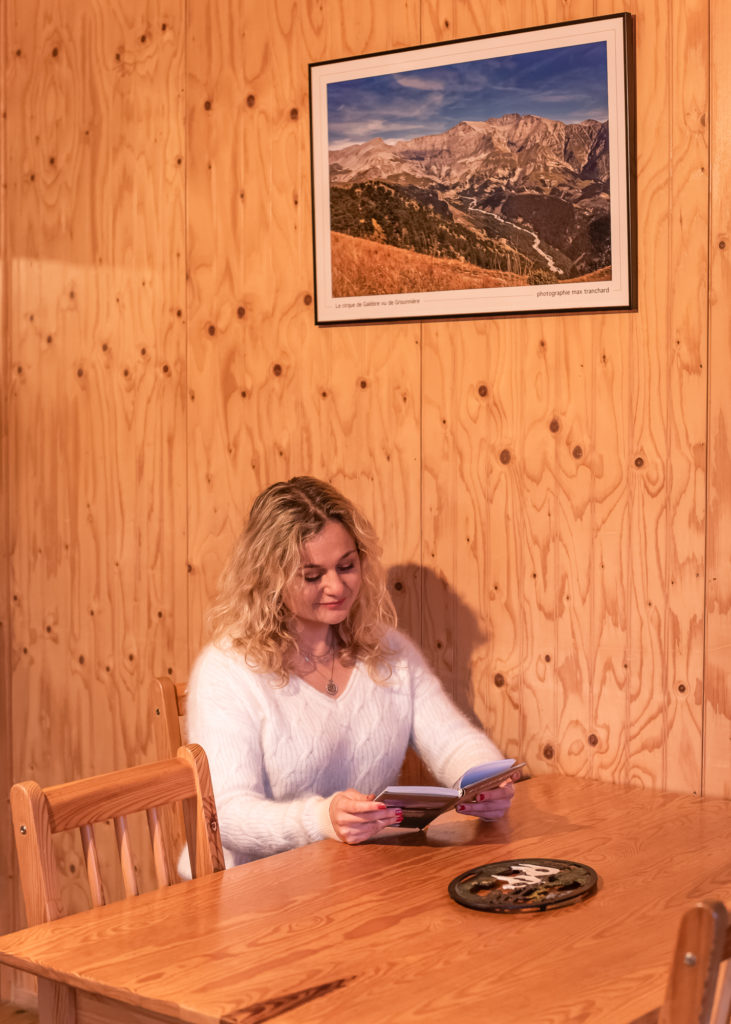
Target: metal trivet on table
[(523, 884)]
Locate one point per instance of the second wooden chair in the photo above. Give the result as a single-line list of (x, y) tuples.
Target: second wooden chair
[(699, 984)]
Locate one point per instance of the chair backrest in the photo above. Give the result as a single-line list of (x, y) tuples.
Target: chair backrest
[(38, 814), (167, 701), (699, 985)]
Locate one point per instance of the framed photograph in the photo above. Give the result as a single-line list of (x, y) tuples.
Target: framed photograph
[(489, 176)]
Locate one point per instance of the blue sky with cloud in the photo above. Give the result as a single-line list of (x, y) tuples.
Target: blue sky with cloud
[(568, 83)]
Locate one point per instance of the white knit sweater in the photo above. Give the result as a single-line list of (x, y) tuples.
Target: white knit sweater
[(278, 753)]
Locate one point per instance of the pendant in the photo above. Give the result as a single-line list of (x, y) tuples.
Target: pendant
[(331, 688)]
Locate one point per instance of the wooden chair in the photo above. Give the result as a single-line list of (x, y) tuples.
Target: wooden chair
[(40, 813), (167, 703), (699, 985)]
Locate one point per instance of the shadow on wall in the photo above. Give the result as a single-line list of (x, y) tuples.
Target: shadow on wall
[(446, 630)]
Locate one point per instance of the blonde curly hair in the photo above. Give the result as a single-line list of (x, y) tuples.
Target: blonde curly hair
[(249, 610)]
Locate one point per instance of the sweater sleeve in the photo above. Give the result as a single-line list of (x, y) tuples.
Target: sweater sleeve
[(226, 718), (442, 736)]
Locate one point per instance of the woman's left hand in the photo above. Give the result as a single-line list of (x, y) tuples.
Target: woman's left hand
[(491, 804)]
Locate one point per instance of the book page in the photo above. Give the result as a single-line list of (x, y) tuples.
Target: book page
[(482, 772)]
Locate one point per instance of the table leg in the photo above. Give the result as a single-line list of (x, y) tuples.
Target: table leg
[(56, 1002)]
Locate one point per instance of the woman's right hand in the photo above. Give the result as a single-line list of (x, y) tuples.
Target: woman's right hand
[(357, 817)]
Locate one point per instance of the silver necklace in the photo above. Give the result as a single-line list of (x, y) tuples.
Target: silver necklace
[(319, 659), (312, 658)]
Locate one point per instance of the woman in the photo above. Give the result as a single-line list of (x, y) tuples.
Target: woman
[(307, 696)]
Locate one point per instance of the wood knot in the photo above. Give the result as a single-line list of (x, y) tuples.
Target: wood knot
[(505, 456), (499, 679), (548, 751)]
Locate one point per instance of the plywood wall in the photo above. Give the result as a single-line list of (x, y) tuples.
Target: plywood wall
[(717, 680), (552, 493)]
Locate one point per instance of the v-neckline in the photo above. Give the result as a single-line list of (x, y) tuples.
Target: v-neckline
[(342, 690)]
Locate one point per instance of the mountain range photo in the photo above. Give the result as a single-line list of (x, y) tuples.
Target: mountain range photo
[(514, 200)]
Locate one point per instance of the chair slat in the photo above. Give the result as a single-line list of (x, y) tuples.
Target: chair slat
[(129, 875), (157, 839), (91, 856)]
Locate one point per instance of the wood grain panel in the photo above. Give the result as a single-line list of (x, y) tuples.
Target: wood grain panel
[(271, 395), (97, 349), (717, 690), (653, 562), (611, 551), (609, 513), (536, 458), (575, 481), (648, 500), (509, 504), (472, 618), (8, 892), (687, 355)]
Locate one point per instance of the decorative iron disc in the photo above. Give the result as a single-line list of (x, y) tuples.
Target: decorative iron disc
[(523, 884)]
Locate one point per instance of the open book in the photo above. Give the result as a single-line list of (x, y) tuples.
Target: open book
[(422, 804)]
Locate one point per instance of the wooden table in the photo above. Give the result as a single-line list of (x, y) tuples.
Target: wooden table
[(369, 934)]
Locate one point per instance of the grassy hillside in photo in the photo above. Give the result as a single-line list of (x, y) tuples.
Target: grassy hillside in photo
[(364, 267)]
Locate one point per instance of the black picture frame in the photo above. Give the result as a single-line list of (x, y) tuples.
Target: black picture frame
[(424, 209)]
